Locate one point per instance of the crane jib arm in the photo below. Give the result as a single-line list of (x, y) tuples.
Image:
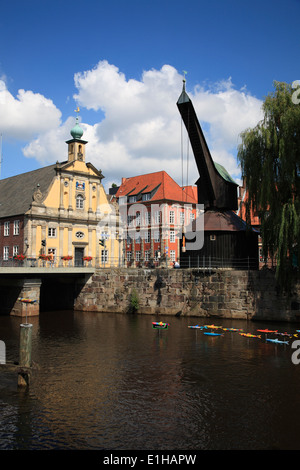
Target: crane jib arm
[(216, 189)]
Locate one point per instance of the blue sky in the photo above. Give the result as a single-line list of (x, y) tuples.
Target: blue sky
[(121, 62)]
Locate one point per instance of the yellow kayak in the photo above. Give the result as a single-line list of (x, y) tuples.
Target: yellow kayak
[(248, 335)]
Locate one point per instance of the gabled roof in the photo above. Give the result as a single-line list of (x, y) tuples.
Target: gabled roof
[(65, 166), (160, 186), (16, 192)]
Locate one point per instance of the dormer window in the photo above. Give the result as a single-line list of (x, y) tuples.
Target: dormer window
[(122, 200), (146, 197)]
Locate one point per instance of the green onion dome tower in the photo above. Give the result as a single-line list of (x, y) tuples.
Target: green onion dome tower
[(76, 146)]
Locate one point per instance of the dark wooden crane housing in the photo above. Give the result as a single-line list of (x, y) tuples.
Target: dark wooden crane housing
[(228, 241)]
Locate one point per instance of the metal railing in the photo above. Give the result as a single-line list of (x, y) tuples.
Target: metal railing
[(66, 262), (204, 262), (57, 262), (210, 262)]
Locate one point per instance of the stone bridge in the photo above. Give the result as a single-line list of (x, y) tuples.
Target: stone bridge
[(25, 291), (224, 293)]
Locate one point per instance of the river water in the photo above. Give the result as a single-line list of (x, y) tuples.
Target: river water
[(110, 381)]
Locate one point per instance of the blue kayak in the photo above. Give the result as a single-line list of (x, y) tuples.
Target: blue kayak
[(277, 341), (213, 334)]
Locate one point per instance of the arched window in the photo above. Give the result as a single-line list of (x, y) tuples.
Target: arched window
[(79, 202)]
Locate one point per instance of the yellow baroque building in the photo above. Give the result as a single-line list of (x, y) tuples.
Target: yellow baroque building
[(62, 214)]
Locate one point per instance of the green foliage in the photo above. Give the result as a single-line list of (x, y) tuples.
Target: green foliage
[(270, 161), (133, 302)]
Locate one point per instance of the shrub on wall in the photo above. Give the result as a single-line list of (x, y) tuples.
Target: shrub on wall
[(133, 302)]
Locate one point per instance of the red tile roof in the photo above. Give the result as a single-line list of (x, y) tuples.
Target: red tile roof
[(166, 188)]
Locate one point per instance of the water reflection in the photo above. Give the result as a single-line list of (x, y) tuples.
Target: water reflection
[(110, 381)]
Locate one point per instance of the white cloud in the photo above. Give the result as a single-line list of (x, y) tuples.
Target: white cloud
[(142, 120), (141, 128), (228, 112), (27, 115), (50, 146)]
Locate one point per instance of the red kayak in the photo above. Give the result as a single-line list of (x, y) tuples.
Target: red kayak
[(268, 331)]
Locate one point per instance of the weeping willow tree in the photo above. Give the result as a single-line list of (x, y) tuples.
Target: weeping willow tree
[(270, 161)]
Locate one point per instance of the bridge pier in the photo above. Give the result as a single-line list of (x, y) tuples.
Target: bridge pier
[(28, 302), (44, 288)]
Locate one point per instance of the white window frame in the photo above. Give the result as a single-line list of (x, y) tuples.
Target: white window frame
[(182, 217), (147, 236), (138, 219), (16, 227), (5, 253), (79, 201), (172, 217), (172, 255), (104, 256), (157, 217), (147, 218), (6, 229), (192, 216), (172, 236), (52, 232), (157, 236), (15, 250)]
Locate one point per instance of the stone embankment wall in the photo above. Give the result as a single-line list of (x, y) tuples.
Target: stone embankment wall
[(217, 293)]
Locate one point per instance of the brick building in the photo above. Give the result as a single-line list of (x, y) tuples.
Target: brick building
[(154, 209), (12, 236)]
